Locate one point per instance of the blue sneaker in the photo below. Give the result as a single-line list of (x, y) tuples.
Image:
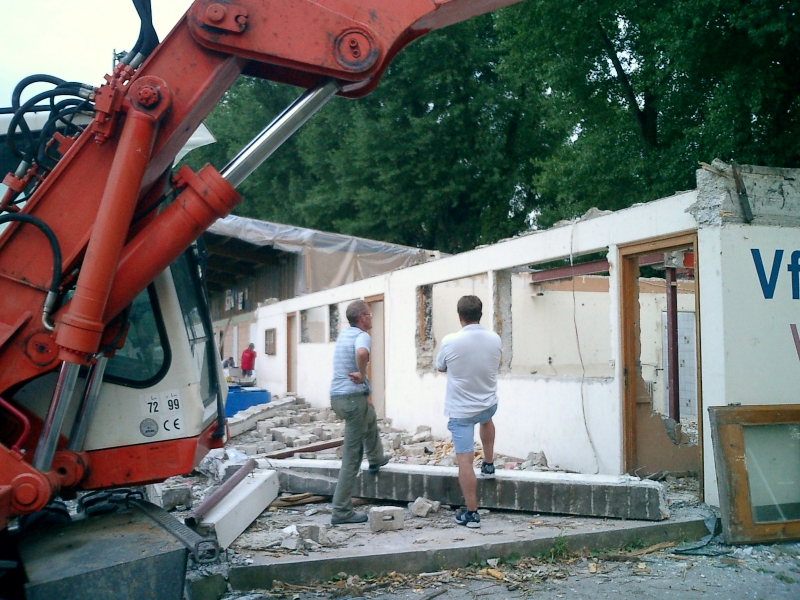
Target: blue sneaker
[(468, 518), (487, 470)]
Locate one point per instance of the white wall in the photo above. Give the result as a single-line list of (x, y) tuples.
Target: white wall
[(537, 412)]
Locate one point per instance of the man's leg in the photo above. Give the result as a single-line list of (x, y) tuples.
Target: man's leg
[(373, 447), (467, 479), (487, 440), (353, 410)]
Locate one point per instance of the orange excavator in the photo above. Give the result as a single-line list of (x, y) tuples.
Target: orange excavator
[(108, 372)]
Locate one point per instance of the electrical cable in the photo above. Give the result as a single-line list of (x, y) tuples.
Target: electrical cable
[(580, 354)]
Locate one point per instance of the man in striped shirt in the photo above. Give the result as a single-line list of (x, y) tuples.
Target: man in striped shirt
[(350, 401)]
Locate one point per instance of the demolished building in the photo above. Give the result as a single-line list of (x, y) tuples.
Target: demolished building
[(589, 376)]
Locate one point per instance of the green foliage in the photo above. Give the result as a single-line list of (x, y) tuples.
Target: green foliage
[(560, 549), (641, 90), (632, 546), (530, 115)]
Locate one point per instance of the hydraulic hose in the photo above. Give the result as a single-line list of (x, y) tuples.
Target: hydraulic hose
[(19, 117), (55, 282), (16, 95), (148, 38)]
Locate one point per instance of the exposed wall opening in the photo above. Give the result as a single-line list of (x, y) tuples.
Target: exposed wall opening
[(503, 319), (313, 323), (660, 349), (424, 333), (333, 322)]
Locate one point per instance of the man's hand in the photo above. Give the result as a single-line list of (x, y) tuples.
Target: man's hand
[(357, 377)]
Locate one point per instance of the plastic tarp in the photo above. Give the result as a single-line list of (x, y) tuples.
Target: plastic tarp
[(329, 259)]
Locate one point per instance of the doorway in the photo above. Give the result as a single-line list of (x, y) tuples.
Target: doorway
[(662, 395), (377, 361)]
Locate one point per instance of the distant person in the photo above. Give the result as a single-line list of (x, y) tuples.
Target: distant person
[(471, 358), (229, 363), (350, 401), (248, 361)]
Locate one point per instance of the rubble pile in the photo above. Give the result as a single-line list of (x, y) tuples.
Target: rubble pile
[(289, 422)]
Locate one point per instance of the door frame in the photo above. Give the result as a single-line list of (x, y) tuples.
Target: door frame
[(628, 268)]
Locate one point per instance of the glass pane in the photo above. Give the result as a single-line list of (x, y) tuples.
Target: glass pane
[(772, 455), (188, 286), (142, 357)]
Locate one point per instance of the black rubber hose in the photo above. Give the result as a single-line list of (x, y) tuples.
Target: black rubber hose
[(19, 117), (148, 33), (61, 110), (16, 95), (55, 282)]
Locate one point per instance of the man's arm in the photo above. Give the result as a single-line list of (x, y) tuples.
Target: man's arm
[(362, 359)]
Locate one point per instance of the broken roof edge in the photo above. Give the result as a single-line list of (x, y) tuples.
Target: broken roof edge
[(299, 240)]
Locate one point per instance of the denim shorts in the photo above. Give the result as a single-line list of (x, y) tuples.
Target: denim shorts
[(463, 429)]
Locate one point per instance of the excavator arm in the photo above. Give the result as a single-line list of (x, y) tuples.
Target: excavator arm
[(59, 300)]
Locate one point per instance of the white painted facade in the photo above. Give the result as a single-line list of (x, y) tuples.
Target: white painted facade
[(554, 398)]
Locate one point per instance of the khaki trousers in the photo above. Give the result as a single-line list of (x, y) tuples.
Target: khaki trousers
[(360, 435)]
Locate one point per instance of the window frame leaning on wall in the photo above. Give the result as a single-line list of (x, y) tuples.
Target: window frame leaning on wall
[(739, 525)]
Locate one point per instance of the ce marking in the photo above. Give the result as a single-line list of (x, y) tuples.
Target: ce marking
[(175, 425)]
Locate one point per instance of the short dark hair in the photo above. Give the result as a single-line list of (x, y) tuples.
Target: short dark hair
[(354, 310), (470, 308)]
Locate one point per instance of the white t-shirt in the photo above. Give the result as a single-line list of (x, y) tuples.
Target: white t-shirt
[(471, 358)]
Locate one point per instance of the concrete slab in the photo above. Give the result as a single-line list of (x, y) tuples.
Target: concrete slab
[(449, 546), (621, 497), (241, 506)]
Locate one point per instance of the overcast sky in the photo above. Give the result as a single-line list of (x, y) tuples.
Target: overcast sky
[(71, 39)]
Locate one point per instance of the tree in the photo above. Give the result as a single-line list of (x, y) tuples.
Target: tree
[(641, 90)]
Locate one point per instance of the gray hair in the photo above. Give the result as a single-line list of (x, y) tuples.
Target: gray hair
[(354, 310)]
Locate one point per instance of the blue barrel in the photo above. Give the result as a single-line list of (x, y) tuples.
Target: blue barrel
[(240, 398)]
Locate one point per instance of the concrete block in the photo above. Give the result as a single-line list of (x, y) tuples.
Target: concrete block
[(274, 446), (422, 507), (423, 436), (301, 418), (241, 506), (169, 495), (416, 449), (249, 449), (386, 518), (212, 587)]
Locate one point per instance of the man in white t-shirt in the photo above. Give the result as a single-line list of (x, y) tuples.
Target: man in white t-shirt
[(471, 358)]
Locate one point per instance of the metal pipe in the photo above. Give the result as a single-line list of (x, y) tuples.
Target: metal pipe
[(672, 344), (220, 493), (88, 402), (277, 132), (51, 429)]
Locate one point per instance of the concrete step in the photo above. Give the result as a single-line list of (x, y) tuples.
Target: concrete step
[(620, 497)]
